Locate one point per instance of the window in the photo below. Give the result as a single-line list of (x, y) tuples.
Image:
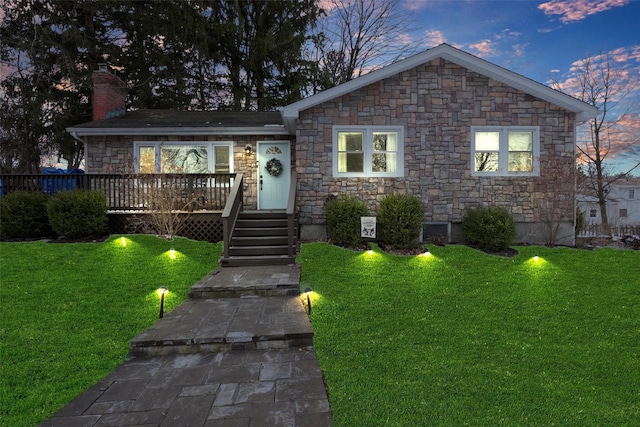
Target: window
[(592, 213), (368, 151), (193, 157), (505, 151), (632, 193), (623, 213)]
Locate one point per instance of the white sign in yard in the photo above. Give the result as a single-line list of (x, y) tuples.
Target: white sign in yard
[(368, 226)]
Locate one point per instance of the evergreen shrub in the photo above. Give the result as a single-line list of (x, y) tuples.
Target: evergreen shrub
[(23, 214), (489, 228), (343, 219), (78, 214), (400, 218)]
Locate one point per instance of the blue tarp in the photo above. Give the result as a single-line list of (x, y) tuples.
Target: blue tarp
[(56, 182)]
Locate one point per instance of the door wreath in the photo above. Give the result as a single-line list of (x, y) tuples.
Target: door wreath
[(274, 167)]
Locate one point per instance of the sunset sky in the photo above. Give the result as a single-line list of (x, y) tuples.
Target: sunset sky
[(541, 40)]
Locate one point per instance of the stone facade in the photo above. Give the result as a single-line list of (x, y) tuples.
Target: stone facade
[(437, 103), (114, 154)]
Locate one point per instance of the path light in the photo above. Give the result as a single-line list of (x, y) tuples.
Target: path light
[(307, 292), (123, 241), (536, 258), (162, 291), (426, 253), (172, 253)]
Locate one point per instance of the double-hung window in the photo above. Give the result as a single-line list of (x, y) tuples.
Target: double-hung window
[(368, 151), (188, 157), (505, 151)]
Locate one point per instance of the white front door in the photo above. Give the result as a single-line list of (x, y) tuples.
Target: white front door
[(274, 174)]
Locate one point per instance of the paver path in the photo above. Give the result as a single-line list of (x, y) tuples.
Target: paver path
[(216, 362)]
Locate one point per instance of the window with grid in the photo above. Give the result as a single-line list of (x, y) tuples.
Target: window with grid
[(368, 151), (505, 151)]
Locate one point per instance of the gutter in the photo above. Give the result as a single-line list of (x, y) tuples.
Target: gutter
[(179, 131)]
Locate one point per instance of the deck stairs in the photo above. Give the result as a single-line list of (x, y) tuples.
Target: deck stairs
[(261, 238)]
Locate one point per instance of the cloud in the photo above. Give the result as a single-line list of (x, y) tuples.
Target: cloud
[(576, 10), (434, 38), (482, 48)]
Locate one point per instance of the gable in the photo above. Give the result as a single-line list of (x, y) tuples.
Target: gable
[(582, 110)]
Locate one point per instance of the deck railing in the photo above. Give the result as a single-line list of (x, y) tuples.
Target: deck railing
[(133, 192), (230, 214)]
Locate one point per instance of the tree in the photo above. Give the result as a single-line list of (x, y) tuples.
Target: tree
[(359, 35), (597, 83), (49, 46), (262, 43)]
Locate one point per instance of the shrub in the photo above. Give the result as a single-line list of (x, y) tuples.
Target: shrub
[(23, 214), (400, 218), (78, 214), (489, 229), (343, 219)]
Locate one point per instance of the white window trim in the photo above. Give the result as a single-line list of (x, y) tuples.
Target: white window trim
[(368, 151), (158, 145), (503, 153)]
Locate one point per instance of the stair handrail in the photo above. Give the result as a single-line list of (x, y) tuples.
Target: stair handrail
[(291, 213), (232, 209)]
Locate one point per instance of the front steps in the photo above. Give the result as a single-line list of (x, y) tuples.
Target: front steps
[(260, 238)]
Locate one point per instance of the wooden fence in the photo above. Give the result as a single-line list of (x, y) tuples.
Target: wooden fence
[(135, 192)]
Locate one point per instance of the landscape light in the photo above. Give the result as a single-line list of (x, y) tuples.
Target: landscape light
[(172, 253), (536, 258), (123, 241), (162, 292), (307, 292), (426, 253)]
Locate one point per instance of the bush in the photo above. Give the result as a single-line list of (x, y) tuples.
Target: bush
[(78, 214), (343, 219), (580, 221), (489, 229), (400, 218), (23, 214)]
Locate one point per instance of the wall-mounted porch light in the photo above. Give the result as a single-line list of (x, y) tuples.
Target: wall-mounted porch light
[(247, 150), (307, 292), (162, 292)]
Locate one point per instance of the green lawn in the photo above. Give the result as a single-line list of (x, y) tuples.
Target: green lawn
[(465, 338), (68, 312), (458, 338)]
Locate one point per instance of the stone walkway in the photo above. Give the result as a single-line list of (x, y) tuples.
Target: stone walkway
[(237, 353)]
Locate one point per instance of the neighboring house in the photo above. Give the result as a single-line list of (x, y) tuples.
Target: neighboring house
[(623, 204), (452, 129)]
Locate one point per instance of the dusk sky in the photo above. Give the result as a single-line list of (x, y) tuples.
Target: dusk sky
[(544, 39)]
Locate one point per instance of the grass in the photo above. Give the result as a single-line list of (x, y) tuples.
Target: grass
[(68, 312), (465, 338)]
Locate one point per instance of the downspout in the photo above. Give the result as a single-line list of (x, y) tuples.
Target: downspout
[(75, 136)]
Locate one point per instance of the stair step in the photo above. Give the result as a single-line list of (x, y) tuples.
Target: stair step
[(227, 324), (250, 232), (262, 215), (260, 241), (258, 250), (237, 282), (261, 223), (243, 261)]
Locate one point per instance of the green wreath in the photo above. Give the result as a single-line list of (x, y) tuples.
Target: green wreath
[(274, 167)]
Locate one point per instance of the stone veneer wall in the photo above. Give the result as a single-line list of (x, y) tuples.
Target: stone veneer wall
[(114, 154), (437, 103)]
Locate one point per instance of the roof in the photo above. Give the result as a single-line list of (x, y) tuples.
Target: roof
[(174, 122), (583, 110)]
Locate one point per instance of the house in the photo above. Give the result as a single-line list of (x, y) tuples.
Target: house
[(623, 204), (452, 129)]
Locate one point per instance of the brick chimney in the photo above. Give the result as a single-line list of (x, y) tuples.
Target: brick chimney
[(109, 93)]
